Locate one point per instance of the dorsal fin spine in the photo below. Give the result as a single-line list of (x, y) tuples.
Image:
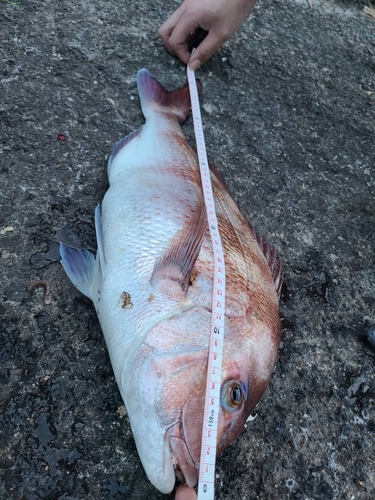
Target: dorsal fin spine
[(274, 263)]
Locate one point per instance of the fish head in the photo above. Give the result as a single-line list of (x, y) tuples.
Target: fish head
[(160, 377), (250, 353), (166, 402), (248, 363)]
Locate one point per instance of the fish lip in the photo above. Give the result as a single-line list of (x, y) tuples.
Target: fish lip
[(185, 467)]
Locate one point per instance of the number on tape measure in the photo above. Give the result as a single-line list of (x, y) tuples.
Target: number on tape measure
[(206, 483)]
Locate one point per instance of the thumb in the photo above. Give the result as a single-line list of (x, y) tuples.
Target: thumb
[(205, 50)]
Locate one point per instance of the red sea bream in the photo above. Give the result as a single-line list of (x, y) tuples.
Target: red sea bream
[(151, 284)]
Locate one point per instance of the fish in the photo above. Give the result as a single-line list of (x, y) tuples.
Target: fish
[(151, 284)]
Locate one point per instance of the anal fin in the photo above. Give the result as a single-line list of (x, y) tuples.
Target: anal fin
[(121, 144)]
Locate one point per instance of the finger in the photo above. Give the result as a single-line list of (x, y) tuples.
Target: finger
[(178, 41), (206, 49), (185, 493), (165, 36), (196, 38), (166, 29), (173, 18)]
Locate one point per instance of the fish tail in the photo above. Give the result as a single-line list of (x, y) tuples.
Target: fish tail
[(154, 98)]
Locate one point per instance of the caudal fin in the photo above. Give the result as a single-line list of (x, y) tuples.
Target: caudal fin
[(155, 98)]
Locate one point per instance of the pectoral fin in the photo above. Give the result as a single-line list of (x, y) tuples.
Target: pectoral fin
[(179, 259)]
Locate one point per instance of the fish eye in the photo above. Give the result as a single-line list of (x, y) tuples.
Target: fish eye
[(232, 395)]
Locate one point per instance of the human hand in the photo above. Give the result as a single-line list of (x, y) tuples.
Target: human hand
[(185, 493), (220, 18)]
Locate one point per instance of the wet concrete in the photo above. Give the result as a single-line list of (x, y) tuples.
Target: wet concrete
[(288, 109)]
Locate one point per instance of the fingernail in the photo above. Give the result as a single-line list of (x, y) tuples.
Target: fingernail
[(195, 64)]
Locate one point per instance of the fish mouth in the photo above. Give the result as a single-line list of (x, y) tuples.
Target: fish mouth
[(185, 467), (185, 439)]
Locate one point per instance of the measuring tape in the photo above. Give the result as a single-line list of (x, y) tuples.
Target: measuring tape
[(206, 485)]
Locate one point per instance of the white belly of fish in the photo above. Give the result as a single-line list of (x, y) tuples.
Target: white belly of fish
[(143, 209)]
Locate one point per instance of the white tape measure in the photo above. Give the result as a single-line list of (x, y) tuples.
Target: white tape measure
[(206, 486)]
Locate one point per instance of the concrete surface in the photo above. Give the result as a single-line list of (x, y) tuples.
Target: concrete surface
[(289, 120)]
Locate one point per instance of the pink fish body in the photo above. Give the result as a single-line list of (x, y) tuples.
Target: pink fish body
[(151, 283)]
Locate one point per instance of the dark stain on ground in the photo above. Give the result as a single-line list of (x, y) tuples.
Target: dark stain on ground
[(75, 235)]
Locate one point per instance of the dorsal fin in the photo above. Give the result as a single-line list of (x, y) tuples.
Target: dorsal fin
[(178, 261), (271, 257)]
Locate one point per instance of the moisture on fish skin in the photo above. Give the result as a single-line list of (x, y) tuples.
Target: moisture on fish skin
[(152, 282)]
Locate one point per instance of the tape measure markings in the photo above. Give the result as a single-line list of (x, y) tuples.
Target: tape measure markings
[(206, 485)]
